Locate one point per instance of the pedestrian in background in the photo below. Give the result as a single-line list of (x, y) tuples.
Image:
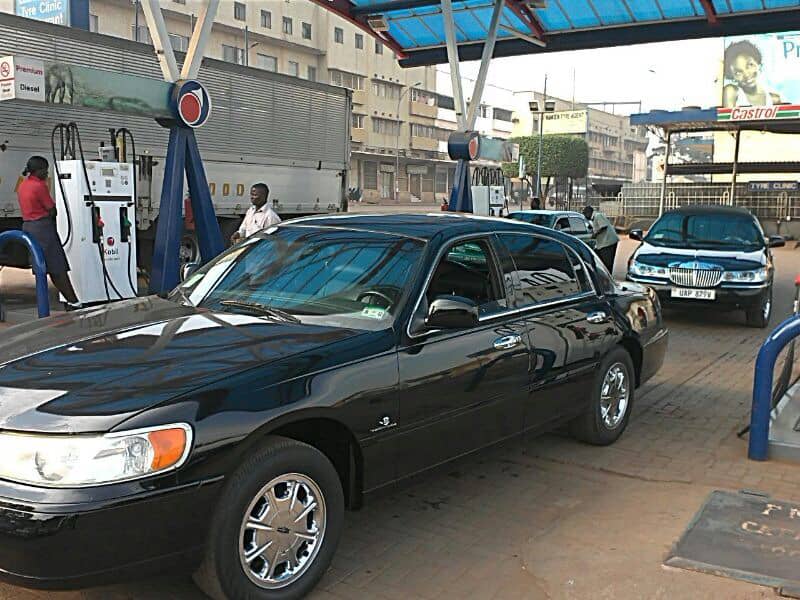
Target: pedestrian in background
[(39, 220), (259, 216), (606, 238)]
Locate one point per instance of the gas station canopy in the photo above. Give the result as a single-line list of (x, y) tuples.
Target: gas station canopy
[(414, 29)]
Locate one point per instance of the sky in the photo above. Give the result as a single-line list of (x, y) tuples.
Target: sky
[(666, 75)]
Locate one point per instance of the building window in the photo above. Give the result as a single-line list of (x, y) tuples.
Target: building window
[(293, 68), (348, 80), (378, 47), (178, 42), (385, 126), (266, 19), (239, 11), (483, 111), (370, 170), (94, 23), (338, 35), (441, 182), (384, 89), (311, 73), (232, 54), (423, 97), (445, 102), (306, 31), (141, 34), (267, 62), (359, 41), (428, 131), (358, 121), (501, 114), (287, 25)]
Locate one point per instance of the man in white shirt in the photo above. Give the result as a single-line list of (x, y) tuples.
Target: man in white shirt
[(606, 238), (259, 216)]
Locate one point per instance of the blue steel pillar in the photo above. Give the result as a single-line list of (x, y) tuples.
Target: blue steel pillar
[(461, 194), (37, 263)]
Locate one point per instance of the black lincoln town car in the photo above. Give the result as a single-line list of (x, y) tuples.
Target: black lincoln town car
[(227, 426), (708, 255)]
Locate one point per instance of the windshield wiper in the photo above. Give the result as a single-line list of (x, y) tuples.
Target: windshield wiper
[(263, 309)]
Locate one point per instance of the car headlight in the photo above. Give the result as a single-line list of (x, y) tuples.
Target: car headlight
[(643, 270), (754, 276), (65, 461)]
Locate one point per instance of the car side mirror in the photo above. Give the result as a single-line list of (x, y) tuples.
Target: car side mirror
[(452, 312), (188, 269), (777, 241), (636, 234)]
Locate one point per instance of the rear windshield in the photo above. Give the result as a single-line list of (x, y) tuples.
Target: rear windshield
[(707, 231)]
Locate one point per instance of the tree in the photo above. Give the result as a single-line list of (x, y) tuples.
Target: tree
[(562, 156)]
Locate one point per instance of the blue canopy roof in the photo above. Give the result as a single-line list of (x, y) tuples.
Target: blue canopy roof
[(416, 27)]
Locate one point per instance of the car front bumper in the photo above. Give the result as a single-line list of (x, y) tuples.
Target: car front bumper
[(727, 297), (91, 542)]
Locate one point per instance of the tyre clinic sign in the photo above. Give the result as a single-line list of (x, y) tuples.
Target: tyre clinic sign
[(50, 11)]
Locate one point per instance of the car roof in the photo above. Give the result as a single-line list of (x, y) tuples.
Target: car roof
[(422, 226), (710, 209), (554, 213)]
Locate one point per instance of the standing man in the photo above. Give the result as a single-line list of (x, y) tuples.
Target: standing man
[(39, 220), (605, 235), (259, 216)]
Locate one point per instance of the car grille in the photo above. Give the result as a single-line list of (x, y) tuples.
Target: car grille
[(697, 278)]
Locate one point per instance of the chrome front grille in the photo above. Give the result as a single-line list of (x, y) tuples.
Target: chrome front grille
[(697, 278)]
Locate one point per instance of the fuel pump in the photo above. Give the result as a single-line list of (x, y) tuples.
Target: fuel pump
[(488, 192), (96, 224)]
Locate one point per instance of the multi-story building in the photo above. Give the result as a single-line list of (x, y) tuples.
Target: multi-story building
[(617, 151)]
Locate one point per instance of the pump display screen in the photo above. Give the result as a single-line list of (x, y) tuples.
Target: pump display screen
[(107, 172)]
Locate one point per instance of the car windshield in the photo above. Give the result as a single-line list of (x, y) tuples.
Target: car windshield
[(309, 275), (706, 231), (536, 218)]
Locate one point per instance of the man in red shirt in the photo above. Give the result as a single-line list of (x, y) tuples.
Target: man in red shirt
[(38, 216)]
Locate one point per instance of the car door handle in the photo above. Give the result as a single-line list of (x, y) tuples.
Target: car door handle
[(507, 342), (597, 317)]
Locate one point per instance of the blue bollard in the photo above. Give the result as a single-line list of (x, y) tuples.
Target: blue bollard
[(762, 385), (38, 264)]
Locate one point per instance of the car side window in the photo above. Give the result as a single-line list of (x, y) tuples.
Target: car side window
[(542, 269), (578, 225), (581, 272), (562, 225), (468, 269)]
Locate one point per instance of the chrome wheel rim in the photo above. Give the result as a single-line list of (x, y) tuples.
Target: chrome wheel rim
[(282, 531), (189, 249), (614, 396), (767, 308)]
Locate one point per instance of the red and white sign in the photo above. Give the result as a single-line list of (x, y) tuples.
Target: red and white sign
[(21, 78)]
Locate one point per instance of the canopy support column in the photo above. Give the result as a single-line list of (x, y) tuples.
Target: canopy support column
[(734, 172), (666, 172), (461, 194)]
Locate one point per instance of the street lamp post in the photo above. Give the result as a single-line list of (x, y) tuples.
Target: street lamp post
[(397, 142), (534, 108)]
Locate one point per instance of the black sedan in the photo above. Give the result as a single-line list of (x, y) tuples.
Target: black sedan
[(713, 256), (227, 426)]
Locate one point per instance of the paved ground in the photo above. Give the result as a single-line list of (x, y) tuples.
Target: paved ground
[(551, 518)]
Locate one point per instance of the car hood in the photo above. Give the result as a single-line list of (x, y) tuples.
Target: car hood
[(89, 370), (730, 260)]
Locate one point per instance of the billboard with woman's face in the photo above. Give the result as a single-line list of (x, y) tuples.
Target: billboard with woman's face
[(761, 70)]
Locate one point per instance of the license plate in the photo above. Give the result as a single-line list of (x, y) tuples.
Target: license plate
[(693, 294)]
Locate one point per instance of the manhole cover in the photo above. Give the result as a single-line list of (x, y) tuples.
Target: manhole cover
[(745, 536)]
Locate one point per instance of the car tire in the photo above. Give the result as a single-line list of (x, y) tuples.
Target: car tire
[(612, 398), (279, 467), (758, 315)]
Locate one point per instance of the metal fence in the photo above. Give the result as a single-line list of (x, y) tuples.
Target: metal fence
[(641, 201)]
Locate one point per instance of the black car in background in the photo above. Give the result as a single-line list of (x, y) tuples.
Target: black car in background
[(708, 255), (567, 221), (230, 424)]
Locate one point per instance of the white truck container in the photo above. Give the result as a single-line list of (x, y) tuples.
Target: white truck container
[(290, 133)]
